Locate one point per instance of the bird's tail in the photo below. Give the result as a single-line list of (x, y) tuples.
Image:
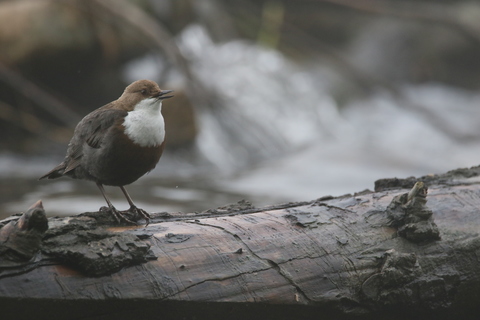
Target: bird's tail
[(55, 173)]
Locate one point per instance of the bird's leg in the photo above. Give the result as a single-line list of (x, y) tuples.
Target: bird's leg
[(118, 216), (133, 207)]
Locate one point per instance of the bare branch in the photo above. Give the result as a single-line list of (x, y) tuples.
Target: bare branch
[(43, 99)]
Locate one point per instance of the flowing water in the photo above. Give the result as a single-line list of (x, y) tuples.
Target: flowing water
[(279, 136)]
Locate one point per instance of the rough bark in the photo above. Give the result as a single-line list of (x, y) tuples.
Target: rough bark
[(394, 253)]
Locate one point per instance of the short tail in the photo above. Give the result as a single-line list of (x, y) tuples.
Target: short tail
[(55, 173)]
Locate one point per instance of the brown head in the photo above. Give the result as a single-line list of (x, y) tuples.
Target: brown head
[(138, 91)]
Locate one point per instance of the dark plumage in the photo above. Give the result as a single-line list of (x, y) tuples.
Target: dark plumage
[(118, 143)]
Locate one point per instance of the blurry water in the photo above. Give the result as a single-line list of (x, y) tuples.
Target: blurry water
[(278, 136), (376, 138)]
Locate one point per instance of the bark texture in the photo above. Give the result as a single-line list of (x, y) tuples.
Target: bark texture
[(387, 254)]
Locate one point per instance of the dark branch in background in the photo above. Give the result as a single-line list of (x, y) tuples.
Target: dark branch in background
[(154, 35), (31, 123), (43, 99)]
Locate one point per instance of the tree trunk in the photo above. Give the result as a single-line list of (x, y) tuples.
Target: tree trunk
[(388, 254)]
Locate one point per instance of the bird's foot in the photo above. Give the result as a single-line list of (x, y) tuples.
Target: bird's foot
[(139, 212), (118, 215)]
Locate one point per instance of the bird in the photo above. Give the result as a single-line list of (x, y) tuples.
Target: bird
[(118, 143)]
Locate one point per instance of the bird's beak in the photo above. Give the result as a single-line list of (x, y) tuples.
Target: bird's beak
[(162, 94)]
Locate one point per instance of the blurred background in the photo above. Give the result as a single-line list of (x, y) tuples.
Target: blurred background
[(275, 101)]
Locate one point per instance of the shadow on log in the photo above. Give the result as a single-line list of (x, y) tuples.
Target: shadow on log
[(391, 254)]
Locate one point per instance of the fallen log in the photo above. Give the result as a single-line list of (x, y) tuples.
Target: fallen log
[(390, 254)]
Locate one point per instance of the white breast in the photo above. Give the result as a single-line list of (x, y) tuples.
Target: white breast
[(145, 124)]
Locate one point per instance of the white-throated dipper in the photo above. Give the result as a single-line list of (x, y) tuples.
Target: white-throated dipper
[(118, 143)]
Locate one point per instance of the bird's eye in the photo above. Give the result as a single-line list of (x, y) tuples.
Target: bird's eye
[(143, 91)]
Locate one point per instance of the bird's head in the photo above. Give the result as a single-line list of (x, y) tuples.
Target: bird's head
[(143, 91)]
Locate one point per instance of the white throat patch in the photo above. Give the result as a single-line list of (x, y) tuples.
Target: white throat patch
[(145, 124)]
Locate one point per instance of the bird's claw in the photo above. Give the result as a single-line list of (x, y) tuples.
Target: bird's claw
[(122, 215), (118, 215), (139, 212)]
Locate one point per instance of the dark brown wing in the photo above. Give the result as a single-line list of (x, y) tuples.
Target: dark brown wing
[(89, 132)]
